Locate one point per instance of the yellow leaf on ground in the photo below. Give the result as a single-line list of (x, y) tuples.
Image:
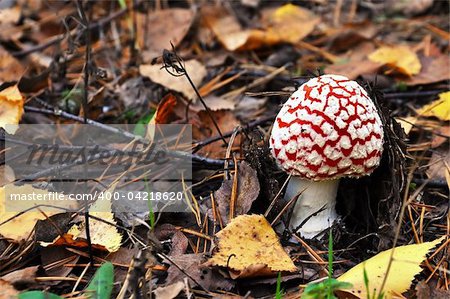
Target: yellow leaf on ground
[(103, 235), (399, 57), (18, 228), (11, 108), (289, 23), (249, 247), (439, 108), (405, 265)]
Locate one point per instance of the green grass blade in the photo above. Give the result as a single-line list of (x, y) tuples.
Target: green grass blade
[(102, 284)]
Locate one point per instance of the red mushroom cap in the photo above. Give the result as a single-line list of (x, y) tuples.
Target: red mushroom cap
[(329, 128)]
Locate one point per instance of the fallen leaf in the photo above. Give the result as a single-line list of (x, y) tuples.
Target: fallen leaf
[(289, 23), (407, 123), (7, 290), (249, 247), (405, 266), (159, 75), (247, 192), (438, 140), (25, 276), (104, 236), (204, 128), (156, 30), (439, 108), (426, 291), (11, 108), (437, 165), (433, 70), (192, 264), (53, 260), (401, 58), (170, 291), (10, 68), (20, 227), (355, 63)]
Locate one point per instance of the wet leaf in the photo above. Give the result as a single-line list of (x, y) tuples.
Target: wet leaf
[(11, 108), (401, 58), (194, 68), (249, 247), (405, 266), (439, 108)]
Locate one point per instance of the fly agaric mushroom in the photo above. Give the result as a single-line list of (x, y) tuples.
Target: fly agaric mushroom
[(328, 129)]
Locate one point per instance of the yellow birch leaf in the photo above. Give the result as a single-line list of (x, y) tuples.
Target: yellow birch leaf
[(11, 108), (19, 228), (249, 247), (405, 265), (399, 57), (102, 234), (439, 108)]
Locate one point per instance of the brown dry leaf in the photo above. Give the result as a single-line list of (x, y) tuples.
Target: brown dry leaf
[(169, 292), (20, 227), (439, 108), (10, 68), (192, 264), (9, 17), (433, 70), (289, 23), (426, 291), (104, 236), (437, 168), (204, 128), (247, 192), (194, 68), (11, 108), (249, 247), (25, 276), (7, 290), (156, 30), (402, 58), (439, 140), (355, 63), (53, 260)]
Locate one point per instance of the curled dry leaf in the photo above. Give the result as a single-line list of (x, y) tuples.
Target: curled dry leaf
[(25, 276), (11, 108), (289, 23), (159, 75), (247, 192), (249, 247), (439, 108), (401, 58), (405, 266)]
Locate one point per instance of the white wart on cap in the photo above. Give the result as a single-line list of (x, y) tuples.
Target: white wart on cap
[(329, 128)]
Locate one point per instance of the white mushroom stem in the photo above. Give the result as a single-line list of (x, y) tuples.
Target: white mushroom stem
[(314, 196)]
